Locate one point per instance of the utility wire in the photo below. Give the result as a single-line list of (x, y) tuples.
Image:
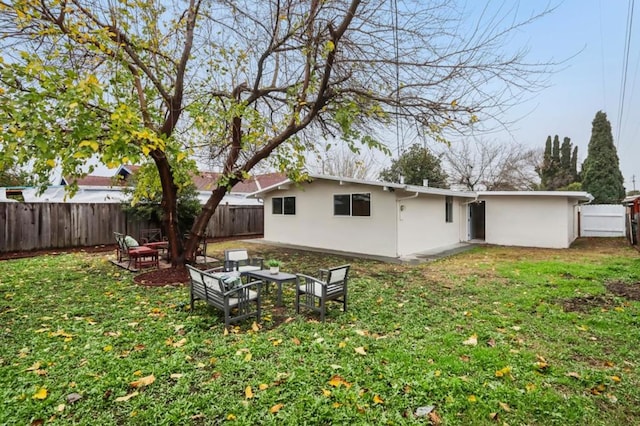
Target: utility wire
[(625, 66), (396, 48)]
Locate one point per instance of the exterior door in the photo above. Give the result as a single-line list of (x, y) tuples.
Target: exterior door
[(476, 221)]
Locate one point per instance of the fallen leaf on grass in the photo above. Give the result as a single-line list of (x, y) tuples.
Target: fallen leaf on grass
[(73, 397), (179, 343), (175, 375), (506, 371), (143, 381), (36, 365), (248, 392), (60, 408), (378, 400), (127, 397), (573, 374), (337, 381), (434, 418), (295, 341), (360, 350), (255, 326), (505, 407), (471, 341), (263, 386), (40, 393), (616, 379), (276, 408)]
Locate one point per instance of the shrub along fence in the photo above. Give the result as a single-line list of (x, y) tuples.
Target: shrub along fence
[(34, 226)]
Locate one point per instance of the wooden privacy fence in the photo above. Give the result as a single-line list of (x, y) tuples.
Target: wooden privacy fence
[(229, 221), (33, 226)]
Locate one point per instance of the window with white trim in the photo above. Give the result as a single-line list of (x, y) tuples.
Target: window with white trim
[(357, 204)]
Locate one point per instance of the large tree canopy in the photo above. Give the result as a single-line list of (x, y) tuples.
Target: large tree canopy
[(242, 81), (415, 166), (491, 165), (601, 175)]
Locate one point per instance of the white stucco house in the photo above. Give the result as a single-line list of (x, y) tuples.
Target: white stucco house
[(396, 220)]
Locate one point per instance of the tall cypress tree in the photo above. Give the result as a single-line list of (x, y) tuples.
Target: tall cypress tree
[(565, 155), (555, 153), (574, 165), (545, 171), (601, 175), (558, 169)]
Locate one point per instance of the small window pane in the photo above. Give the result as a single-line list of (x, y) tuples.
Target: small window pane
[(361, 205), (276, 205), (341, 205), (289, 205), (448, 209)]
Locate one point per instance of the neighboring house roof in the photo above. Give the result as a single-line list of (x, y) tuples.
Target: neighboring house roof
[(630, 199), (387, 185), (206, 181)]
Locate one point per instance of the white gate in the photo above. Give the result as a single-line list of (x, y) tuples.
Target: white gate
[(602, 220)]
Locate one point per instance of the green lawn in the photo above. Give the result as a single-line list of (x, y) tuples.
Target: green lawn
[(492, 336)]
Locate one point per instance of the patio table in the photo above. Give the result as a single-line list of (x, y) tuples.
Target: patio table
[(279, 278)]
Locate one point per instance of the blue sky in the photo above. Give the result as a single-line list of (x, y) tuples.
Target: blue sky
[(594, 31)]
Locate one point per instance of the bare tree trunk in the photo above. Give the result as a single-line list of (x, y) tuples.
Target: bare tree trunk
[(200, 225), (169, 207)]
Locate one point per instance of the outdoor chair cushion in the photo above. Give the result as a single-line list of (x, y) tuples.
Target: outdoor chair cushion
[(230, 281), (131, 242)]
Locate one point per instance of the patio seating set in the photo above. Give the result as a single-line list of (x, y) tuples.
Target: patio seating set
[(236, 288), (141, 255), (147, 251)]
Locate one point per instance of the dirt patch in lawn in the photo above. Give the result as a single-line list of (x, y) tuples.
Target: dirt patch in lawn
[(585, 304), (605, 301), (160, 277), (626, 290)]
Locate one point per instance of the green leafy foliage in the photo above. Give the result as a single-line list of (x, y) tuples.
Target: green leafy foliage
[(558, 170), (601, 175), (415, 165), (146, 198)]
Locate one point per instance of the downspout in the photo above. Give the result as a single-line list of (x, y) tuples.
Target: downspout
[(578, 204), (398, 208)]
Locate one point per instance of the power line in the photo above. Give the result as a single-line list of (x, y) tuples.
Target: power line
[(396, 47), (625, 66)]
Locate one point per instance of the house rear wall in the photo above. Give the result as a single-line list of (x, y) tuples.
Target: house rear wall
[(314, 224), (422, 224), (529, 221)]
